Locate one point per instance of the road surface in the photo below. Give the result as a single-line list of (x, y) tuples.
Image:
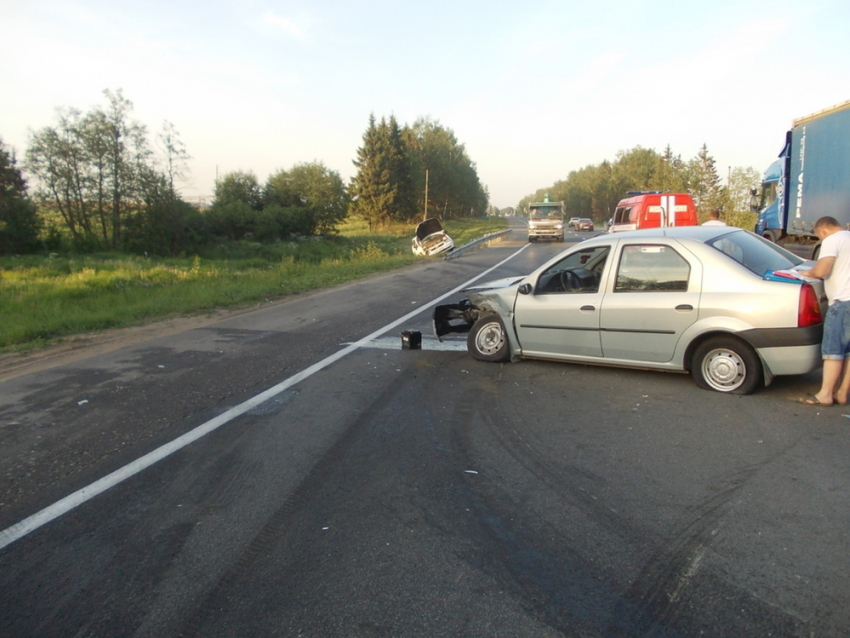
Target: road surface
[(292, 471)]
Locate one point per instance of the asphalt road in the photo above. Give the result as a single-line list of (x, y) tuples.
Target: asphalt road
[(392, 492)]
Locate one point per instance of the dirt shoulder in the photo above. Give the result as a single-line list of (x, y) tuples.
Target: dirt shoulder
[(79, 347)]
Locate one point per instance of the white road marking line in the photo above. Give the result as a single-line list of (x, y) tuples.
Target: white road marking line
[(428, 343), (72, 501)]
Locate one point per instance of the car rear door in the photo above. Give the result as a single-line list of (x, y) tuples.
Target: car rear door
[(653, 297)]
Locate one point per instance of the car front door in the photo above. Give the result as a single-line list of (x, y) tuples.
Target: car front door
[(560, 317), (653, 299)]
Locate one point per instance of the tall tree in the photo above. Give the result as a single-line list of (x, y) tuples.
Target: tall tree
[(636, 169), (19, 220), (58, 159), (403, 204), (736, 207), (92, 169), (672, 175), (705, 183), (454, 189), (372, 189), (118, 150)]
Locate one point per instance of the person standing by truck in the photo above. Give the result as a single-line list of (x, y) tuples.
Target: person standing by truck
[(833, 266)]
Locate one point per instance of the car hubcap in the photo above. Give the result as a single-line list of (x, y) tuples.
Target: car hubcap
[(724, 370), (490, 338)]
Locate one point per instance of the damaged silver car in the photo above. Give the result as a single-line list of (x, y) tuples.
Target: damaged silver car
[(718, 302), (431, 239)]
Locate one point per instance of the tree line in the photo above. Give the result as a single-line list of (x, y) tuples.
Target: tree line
[(594, 190), (99, 184), (408, 173)]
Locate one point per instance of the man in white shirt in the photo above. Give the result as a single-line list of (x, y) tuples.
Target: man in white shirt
[(833, 266), (714, 219)]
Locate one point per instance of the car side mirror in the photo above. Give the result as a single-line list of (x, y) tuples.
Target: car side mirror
[(525, 289)]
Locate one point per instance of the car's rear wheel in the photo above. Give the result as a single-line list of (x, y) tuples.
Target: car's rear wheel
[(726, 364), (487, 340)]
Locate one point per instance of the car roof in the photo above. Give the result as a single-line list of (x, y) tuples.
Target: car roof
[(699, 233)]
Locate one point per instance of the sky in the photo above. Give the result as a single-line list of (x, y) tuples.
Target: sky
[(532, 89)]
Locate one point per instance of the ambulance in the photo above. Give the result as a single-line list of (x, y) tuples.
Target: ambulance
[(653, 209)]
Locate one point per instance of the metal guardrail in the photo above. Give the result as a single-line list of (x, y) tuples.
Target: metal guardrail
[(457, 252)]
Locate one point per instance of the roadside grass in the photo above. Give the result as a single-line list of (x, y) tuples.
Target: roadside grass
[(45, 298)]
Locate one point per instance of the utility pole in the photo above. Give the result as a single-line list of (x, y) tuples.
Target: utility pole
[(426, 196)]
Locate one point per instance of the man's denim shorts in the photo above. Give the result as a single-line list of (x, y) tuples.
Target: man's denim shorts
[(836, 331)]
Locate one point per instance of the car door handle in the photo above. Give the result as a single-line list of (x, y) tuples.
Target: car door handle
[(684, 307), (588, 309)]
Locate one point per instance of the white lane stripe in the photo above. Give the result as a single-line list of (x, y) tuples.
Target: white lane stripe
[(448, 344), (52, 512)]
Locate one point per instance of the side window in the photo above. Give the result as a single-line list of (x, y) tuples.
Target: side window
[(651, 268), (768, 195), (621, 215), (578, 272)]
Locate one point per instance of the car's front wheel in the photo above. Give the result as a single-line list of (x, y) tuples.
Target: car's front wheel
[(487, 340), (726, 364)]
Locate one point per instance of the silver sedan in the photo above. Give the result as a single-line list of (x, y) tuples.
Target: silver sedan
[(719, 302)]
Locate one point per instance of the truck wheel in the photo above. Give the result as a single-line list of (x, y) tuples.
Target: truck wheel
[(487, 340), (726, 364)]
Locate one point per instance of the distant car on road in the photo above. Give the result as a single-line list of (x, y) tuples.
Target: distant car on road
[(721, 303), (584, 223), (572, 223)]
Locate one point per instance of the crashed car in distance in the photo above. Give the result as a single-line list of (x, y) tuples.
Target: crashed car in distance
[(719, 302), (431, 239)]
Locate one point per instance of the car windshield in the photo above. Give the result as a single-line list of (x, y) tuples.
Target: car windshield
[(546, 211), (755, 253)]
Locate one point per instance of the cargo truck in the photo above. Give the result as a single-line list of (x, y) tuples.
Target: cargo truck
[(809, 179), (546, 220)]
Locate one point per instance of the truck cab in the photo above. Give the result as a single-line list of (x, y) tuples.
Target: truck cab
[(772, 204)]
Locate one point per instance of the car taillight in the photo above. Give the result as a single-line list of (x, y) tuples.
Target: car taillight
[(808, 311)]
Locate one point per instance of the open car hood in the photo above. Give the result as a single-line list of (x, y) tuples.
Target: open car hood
[(428, 227)]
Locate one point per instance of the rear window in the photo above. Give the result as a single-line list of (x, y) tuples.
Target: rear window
[(755, 253)]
